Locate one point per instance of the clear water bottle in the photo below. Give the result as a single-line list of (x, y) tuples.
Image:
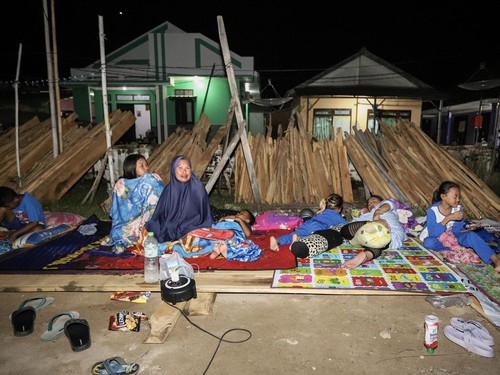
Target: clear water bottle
[(151, 271)]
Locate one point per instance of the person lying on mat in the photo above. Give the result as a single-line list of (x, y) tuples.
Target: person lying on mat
[(329, 214), (445, 230), (372, 236), (133, 202), (183, 204), (19, 213), (378, 209), (226, 238)]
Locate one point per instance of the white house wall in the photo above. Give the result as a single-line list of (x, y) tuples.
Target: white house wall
[(359, 108)]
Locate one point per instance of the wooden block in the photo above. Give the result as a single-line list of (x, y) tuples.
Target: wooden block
[(163, 320), (202, 305)]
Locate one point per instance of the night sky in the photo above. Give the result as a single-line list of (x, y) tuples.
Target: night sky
[(439, 42)]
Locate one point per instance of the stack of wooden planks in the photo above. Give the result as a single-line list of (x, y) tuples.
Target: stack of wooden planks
[(192, 144), (49, 178), (404, 163), (294, 168)]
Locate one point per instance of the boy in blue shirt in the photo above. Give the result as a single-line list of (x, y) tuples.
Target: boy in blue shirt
[(19, 213)]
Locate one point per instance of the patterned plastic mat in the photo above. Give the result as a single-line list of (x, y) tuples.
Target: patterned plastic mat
[(411, 268)]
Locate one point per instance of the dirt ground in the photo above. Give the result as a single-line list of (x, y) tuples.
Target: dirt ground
[(290, 334)]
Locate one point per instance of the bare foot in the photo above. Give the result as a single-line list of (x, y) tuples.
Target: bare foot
[(215, 251), (496, 262), (273, 244), (354, 262)]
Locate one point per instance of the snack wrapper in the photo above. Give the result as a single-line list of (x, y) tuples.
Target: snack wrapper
[(136, 297), (124, 321)]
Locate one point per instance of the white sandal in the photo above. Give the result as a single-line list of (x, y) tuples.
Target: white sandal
[(467, 340), (476, 328)]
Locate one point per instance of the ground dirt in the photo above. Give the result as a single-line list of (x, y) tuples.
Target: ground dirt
[(290, 334)]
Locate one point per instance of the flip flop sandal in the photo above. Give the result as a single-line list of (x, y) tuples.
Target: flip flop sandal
[(78, 333), (114, 366), (477, 329), (23, 321), (56, 325), (37, 303), (466, 340)]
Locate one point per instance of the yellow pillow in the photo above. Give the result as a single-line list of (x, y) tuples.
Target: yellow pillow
[(372, 234)]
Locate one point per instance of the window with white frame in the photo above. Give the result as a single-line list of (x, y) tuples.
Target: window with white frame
[(326, 121)]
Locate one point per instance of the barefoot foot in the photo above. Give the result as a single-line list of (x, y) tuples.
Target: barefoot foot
[(273, 244)]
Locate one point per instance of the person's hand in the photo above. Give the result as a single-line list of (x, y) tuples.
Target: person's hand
[(384, 223), (7, 234), (456, 216)]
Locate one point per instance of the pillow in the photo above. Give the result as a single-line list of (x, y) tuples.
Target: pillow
[(54, 218), (35, 238), (276, 220), (372, 234)]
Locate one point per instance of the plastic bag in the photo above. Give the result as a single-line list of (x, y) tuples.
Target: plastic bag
[(449, 300), (173, 262)]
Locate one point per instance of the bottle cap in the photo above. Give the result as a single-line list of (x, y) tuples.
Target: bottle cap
[(151, 234), (430, 350)]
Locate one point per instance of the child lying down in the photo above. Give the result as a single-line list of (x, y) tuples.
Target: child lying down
[(226, 239)]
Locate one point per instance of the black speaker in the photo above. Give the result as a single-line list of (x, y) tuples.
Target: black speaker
[(178, 291)]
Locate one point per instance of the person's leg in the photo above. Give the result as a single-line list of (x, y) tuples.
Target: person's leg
[(474, 241), (316, 243), (349, 230)]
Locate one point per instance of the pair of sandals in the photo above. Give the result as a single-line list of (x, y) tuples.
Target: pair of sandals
[(114, 366), (470, 335), (76, 330)]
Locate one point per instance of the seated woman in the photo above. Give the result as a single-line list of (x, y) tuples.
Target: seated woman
[(329, 215), (133, 202), (183, 205), (227, 239)]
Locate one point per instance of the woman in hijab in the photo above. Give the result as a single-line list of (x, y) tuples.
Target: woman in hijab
[(183, 204)]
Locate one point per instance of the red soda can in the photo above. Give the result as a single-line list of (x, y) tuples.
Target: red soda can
[(431, 326)]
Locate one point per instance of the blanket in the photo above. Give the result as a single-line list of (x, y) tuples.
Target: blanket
[(485, 278), (81, 251), (411, 268)]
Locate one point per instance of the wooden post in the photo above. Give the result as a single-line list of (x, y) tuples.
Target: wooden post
[(239, 114)]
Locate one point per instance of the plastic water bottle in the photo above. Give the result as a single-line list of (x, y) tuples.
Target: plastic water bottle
[(151, 271)]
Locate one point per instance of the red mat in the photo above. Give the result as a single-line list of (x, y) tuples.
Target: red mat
[(98, 258), (270, 260)]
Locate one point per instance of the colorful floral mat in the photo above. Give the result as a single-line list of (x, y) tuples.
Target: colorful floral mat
[(412, 268)]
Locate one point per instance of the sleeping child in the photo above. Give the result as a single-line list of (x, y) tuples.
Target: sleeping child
[(227, 239)]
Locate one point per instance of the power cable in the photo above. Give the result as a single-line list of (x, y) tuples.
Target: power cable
[(221, 339)]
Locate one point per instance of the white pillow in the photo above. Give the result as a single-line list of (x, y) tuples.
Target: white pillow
[(35, 238)]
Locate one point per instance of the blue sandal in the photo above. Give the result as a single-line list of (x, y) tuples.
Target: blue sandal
[(114, 366)]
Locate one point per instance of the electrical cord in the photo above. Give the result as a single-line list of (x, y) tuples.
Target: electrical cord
[(221, 339)]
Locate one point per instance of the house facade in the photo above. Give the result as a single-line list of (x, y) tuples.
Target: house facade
[(167, 78), (358, 92)]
